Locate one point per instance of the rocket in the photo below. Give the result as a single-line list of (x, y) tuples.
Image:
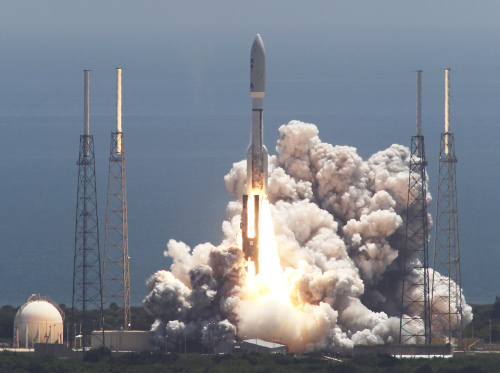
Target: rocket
[(257, 152), (257, 162)]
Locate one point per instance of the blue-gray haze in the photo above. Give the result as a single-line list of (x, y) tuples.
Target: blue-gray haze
[(347, 67)]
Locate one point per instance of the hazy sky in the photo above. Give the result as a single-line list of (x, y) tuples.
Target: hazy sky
[(128, 16), (61, 35)]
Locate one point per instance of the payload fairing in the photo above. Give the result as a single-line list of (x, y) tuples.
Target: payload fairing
[(257, 162)]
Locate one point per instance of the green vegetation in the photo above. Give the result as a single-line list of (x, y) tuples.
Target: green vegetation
[(140, 319), (480, 325), (102, 360)]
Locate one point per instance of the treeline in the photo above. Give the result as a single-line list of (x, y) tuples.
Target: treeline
[(480, 325), (7, 315), (101, 360)]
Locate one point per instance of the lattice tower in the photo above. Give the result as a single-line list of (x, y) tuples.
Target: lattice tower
[(415, 317), (87, 292), (87, 312), (116, 280), (447, 295)]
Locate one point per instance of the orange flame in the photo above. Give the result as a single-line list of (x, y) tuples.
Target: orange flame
[(269, 283)]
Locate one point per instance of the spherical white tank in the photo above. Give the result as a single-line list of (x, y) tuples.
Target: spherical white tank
[(38, 321)]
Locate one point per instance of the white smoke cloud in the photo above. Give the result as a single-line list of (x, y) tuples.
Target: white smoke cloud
[(441, 292), (339, 227)]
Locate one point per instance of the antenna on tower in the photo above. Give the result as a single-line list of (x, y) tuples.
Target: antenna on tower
[(415, 312), (419, 108), (116, 280), (87, 290), (419, 102)]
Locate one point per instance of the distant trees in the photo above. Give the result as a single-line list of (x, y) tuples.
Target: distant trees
[(102, 360), (495, 312), (480, 325), (7, 315)]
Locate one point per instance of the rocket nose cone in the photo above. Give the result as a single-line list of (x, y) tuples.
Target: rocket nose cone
[(258, 45), (257, 66)]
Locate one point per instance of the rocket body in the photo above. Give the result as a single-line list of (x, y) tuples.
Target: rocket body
[(257, 153), (257, 156)]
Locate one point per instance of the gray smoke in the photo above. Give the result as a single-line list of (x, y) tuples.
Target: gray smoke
[(340, 232)]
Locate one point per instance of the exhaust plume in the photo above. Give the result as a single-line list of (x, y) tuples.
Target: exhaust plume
[(339, 227)]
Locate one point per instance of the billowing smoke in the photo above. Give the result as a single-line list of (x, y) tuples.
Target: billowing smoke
[(340, 234)]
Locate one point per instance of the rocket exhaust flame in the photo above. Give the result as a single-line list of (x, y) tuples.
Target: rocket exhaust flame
[(250, 231), (250, 271)]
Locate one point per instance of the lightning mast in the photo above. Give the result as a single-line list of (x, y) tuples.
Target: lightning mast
[(87, 290), (415, 315), (116, 280), (446, 297)]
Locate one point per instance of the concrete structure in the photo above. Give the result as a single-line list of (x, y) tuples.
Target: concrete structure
[(251, 345), (123, 340), (38, 321)]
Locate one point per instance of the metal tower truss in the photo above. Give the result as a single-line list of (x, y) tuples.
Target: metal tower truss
[(415, 316), (87, 291), (446, 286), (116, 280)]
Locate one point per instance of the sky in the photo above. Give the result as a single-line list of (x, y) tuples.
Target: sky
[(59, 35), (191, 41), (363, 52)]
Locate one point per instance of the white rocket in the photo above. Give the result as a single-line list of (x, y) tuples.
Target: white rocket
[(257, 153), (257, 162)]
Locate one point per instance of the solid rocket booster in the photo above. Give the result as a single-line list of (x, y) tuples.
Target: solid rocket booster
[(257, 156)]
